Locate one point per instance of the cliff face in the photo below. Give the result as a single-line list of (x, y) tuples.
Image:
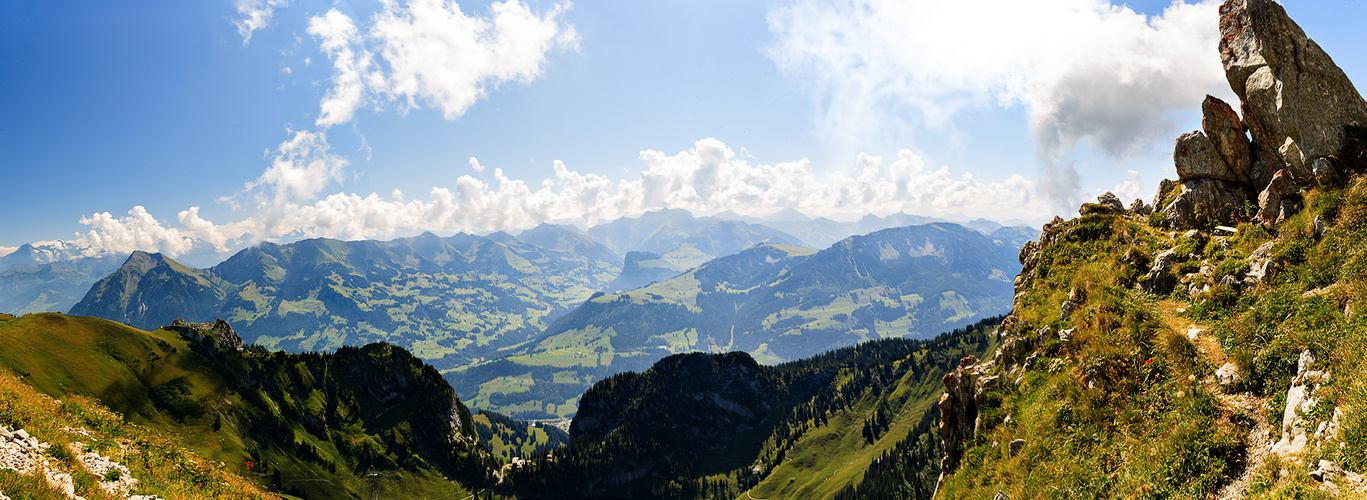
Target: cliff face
[(1210, 349), (1304, 116)]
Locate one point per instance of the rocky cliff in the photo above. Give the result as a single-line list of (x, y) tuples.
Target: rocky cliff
[(1302, 125), (1210, 349)]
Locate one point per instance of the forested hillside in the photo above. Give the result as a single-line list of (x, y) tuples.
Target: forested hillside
[(718, 425)]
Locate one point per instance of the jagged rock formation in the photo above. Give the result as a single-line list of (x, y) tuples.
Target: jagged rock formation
[(1298, 106), (217, 335)]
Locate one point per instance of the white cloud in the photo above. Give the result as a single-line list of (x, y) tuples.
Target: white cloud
[(255, 14), (431, 52), (336, 34), (136, 231), (1130, 189), (474, 163), (707, 179), (301, 167), (7, 250), (1084, 69)]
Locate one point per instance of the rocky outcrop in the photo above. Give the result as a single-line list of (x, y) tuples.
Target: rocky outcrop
[(1206, 199), (1226, 132), (959, 410), (1197, 158), (1290, 88), (1274, 203), (1160, 280), (217, 335), (1300, 399), (1299, 108)]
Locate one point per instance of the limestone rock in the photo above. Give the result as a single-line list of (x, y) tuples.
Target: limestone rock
[(1139, 208), (1327, 471), (1227, 374), (1196, 158), (1273, 200), (1290, 88), (1260, 263), (218, 335), (1202, 199), (1112, 201), (1226, 133), (1160, 280), (1164, 186), (1300, 399), (1292, 158), (1325, 173), (959, 410)]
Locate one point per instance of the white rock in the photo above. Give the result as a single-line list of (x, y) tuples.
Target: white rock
[(1227, 374)]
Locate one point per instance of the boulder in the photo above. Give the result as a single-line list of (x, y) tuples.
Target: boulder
[(1227, 374), (1261, 266), (1292, 158), (1325, 173), (1226, 133), (1196, 158), (1164, 187), (1015, 447), (1327, 471), (1300, 399), (1139, 208), (1160, 280), (1273, 200), (1112, 201), (1202, 199), (1290, 88)]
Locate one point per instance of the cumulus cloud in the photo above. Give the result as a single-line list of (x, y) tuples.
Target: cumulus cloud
[(254, 15), (336, 34), (474, 163), (430, 52), (707, 179), (301, 167), (136, 231), (1129, 189), (1085, 70)]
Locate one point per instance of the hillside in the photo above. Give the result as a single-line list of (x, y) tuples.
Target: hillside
[(80, 443), (448, 300), (373, 418), (776, 302), (721, 425), (1212, 349)]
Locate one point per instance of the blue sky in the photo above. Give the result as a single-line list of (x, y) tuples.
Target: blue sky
[(577, 113)]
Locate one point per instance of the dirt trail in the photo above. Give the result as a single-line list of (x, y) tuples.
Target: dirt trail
[(1259, 438)]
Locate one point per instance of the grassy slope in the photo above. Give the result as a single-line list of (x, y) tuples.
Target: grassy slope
[(1161, 429), (833, 457), (159, 460), (121, 366)]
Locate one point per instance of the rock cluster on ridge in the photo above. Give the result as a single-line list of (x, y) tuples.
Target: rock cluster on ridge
[(1298, 107)]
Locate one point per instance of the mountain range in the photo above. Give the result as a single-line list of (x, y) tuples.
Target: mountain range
[(514, 321), (777, 302)]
